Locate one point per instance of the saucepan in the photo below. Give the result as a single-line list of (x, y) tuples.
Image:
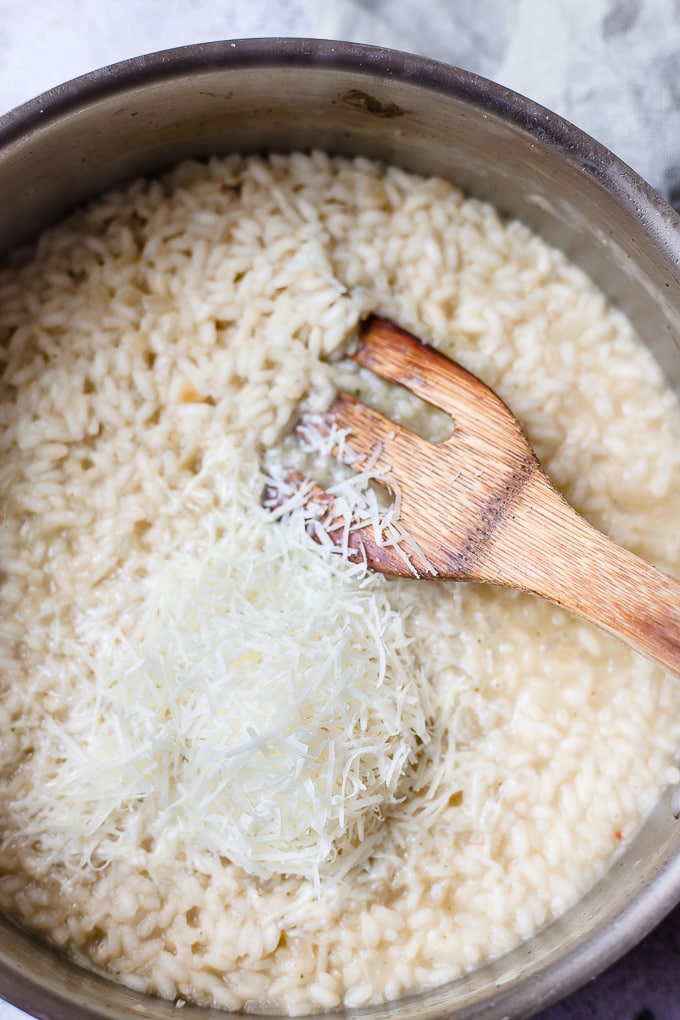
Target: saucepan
[(145, 115)]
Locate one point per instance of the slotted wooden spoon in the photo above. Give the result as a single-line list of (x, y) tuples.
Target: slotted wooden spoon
[(481, 508)]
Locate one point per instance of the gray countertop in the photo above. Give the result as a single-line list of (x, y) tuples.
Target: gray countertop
[(611, 67)]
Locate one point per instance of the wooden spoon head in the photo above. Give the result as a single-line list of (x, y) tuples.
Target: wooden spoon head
[(455, 495)]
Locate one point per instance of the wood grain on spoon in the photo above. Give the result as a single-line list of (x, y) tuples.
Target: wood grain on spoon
[(481, 508)]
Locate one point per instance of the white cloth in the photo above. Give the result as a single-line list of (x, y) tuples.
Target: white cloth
[(612, 67)]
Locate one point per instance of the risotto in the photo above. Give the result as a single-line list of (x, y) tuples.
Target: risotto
[(236, 769)]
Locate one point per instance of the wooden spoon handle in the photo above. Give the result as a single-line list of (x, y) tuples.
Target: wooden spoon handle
[(547, 548)]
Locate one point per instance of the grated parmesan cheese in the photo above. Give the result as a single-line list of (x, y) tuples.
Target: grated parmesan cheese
[(351, 500), (266, 705)]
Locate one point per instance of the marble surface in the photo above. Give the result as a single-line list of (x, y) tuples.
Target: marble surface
[(611, 66)]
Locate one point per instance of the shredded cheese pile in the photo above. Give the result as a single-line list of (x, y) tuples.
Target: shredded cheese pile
[(262, 705)]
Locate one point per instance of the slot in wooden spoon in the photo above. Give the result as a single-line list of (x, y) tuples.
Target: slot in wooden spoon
[(480, 508)]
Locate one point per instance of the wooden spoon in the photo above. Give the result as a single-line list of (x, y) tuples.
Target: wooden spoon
[(479, 507)]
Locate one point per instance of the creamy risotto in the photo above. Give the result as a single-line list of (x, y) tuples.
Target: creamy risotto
[(235, 769)]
